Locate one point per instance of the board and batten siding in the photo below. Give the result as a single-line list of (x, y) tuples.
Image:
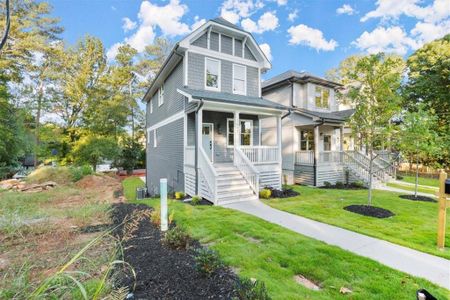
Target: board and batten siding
[(304, 175), (196, 75)]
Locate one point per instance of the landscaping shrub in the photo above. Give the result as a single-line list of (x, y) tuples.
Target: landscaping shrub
[(179, 195), (265, 193), (155, 216), (347, 177), (177, 238), (248, 289), (399, 177), (196, 200), (340, 185), (358, 184), (78, 173), (327, 184), (207, 261)]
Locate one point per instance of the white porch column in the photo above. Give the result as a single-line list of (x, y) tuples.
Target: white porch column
[(316, 153), (341, 138), (279, 141), (237, 130), (199, 143)]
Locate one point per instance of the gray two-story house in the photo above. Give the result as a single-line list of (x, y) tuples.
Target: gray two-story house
[(206, 118)]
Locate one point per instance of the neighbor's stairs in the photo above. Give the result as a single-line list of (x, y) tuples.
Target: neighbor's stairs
[(231, 185)]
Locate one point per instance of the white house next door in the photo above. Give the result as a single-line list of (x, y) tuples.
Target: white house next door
[(208, 139)]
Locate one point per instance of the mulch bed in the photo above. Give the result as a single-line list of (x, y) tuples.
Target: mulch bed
[(285, 193), (202, 202), (162, 272), (370, 211), (418, 198)]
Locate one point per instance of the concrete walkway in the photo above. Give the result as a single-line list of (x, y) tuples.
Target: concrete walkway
[(399, 190), (433, 268)]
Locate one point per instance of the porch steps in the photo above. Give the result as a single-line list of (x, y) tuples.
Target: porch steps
[(231, 185)]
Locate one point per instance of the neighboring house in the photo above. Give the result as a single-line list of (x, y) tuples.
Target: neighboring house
[(205, 118), (317, 145)]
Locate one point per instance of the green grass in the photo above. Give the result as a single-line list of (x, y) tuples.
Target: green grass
[(130, 185), (268, 252), (422, 180), (407, 187), (414, 224)]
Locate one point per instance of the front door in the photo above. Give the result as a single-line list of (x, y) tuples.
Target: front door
[(208, 139)]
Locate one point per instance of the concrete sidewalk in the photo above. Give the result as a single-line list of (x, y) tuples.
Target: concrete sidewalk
[(430, 267), (405, 192)]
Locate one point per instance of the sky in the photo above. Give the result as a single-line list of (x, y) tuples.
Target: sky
[(312, 36)]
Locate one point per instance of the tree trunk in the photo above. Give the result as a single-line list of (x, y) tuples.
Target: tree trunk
[(417, 176), (370, 178), (38, 122)]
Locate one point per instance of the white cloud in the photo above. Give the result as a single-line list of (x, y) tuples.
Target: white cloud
[(234, 10), (128, 24), (393, 39), (293, 15), (197, 23), (304, 35), (345, 9), (267, 22), (113, 50), (426, 32), (113, 8), (281, 2), (267, 51)]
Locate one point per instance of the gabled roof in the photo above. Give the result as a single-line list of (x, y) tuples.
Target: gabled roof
[(222, 21), (301, 77), (335, 116), (230, 98)]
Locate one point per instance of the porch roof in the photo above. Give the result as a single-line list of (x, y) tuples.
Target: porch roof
[(335, 116), (231, 98)]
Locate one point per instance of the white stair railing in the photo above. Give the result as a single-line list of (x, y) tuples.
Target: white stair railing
[(209, 174), (247, 169), (360, 164)]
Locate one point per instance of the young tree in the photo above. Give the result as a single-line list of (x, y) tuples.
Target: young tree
[(373, 85), (92, 149), (417, 139)]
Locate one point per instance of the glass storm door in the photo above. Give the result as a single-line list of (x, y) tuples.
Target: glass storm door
[(208, 139)]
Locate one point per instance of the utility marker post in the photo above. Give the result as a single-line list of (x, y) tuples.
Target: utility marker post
[(163, 194), (442, 210)]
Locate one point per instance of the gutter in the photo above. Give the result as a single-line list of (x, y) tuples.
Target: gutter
[(200, 105), (288, 114)]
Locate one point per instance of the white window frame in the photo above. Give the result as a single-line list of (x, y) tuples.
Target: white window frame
[(322, 90), (155, 140), (245, 79), (251, 132), (161, 95), (218, 76)]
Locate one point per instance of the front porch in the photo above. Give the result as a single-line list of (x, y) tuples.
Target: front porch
[(231, 154)]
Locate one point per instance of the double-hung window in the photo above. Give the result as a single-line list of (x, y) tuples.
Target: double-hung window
[(212, 74), (246, 132), (306, 140), (239, 79), (322, 97), (161, 95)]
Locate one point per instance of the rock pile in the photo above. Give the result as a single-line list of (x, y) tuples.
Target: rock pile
[(21, 186)]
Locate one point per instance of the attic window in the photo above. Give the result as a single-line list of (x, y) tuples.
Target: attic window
[(322, 97)]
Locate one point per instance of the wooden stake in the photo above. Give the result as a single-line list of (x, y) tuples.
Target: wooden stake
[(442, 210)]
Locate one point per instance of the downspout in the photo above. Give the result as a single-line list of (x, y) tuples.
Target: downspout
[(288, 114), (200, 105), (315, 158)]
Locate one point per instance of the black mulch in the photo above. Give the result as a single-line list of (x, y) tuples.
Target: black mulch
[(162, 272), (285, 193), (370, 211), (418, 198)]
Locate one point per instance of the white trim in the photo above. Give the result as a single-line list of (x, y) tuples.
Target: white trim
[(259, 83), (225, 56), (150, 103), (233, 45), (155, 138), (245, 79), (161, 95), (219, 77), (208, 38), (251, 133), (189, 96), (212, 139), (186, 66), (243, 47), (231, 107), (166, 121)]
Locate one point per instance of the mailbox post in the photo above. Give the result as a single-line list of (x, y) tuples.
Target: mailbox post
[(442, 215)]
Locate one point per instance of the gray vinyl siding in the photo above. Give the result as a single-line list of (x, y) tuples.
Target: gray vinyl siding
[(304, 175), (191, 129), (281, 95), (196, 75), (248, 54), (173, 101), (166, 160), (227, 44), (202, 41), (238, 48), (214, 41)]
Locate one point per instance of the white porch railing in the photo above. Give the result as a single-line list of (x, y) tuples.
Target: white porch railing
[(304, 157), (330, 157), (247, 169), (209, 173), (190, 155), (261, 154)]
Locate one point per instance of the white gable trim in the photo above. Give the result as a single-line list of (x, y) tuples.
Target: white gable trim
[(166, 121), (224, 56)]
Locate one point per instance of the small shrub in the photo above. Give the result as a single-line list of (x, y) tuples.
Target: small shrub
[(339, 185), (179, 195), (265, 193), (155, 216), (177, 238), (196, 200), (207, 261), (399, 177), (79, 172), (358, 184), (347, 176), (326, 184), (248, 289)]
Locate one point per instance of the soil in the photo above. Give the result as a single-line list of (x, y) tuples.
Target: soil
[(418, 198), (370, 211), (285, 193), (162, 272)]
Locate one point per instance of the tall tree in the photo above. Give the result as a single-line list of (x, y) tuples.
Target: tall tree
[(429, 83), (373, 87)]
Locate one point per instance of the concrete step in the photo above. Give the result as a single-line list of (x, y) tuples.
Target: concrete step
[(228, 172), (225, 202), (233, 189), (230, 183), (227, 177)]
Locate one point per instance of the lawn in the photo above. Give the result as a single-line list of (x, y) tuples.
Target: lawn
[(422, 180), (408, 187), (259, 249), (414, 224), (130, 185)]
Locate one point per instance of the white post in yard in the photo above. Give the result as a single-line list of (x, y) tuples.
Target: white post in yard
[(163, 193)]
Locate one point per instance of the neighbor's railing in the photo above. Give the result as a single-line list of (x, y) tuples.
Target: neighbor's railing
[(247, 169), (261, 154), (304, 157)]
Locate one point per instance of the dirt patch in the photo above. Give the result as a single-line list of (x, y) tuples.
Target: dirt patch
[(418, 198), (97, 181), (302, 280), (162, 272), (370, 211)]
